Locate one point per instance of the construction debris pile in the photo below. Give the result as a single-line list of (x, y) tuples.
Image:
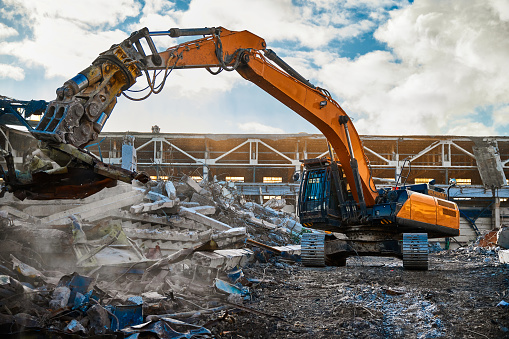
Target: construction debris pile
[(187, 260), (165, 259)]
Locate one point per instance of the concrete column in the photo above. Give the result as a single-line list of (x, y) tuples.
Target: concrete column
[(496, 213), (205, 167)]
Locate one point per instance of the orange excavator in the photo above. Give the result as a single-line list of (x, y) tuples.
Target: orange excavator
[(337, 194)]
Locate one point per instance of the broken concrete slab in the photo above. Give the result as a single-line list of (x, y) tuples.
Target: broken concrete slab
[(276, 204), (202, 200), (193, 184), (267, 225), (110, 247), (183, 223), (203, 219), (205, 210), (98, 209), (289, 209), (9, 210), (45, 208), (152, 206), (169, 241), (260, 210), (224, 259), (40, 240), (130, 219)]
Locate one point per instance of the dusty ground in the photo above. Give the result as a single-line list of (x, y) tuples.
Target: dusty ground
[(376, 298)]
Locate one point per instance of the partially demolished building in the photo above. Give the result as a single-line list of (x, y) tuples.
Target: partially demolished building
[(173, 252), (263, 167)]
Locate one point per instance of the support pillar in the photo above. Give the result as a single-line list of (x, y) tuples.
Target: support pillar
[(496, 213)]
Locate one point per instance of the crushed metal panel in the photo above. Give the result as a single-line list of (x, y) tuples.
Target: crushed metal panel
[(488, 161)]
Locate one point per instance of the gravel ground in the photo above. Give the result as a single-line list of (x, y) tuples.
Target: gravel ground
[(375, 298)]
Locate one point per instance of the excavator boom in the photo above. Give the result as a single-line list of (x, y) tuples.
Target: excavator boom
[(84, 103)]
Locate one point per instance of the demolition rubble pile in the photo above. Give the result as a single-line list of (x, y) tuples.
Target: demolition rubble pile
[(153, 259)]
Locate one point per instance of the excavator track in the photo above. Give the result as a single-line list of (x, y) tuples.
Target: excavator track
[(415, 251), (312, 250)]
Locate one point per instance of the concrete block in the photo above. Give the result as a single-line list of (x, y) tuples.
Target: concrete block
[(503, 237), (230, 237), (203, 219), (205, 210), (171, 191), (276, 204), (223, 259), (152, 206), (289, 209), (99, 319), (503, 256), (208, 259), (202, 200), (193, 184)]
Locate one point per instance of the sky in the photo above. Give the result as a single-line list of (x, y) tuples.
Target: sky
[(397, 67)]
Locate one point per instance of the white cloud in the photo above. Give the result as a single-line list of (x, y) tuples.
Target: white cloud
[(500, 116), (73, 51), (12, 72), (256, 127), (85, 13), (468, 128), (445, 60), (502, 7), (448, 58), (6, 31), (63, 38)]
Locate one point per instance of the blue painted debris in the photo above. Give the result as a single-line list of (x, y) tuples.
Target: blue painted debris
[(127, 315), (77, 284), (235, 274), (503, 303), (81, 301), (228, 288), (74, 326)]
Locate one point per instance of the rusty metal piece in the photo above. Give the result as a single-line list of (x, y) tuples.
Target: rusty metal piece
[(82, 175), (266, 247)]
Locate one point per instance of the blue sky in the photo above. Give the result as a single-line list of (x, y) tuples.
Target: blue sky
[(397, 67)]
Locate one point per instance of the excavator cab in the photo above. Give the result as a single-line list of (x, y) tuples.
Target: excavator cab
[(325, 201)]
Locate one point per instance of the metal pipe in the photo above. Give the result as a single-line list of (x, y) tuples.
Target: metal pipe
[(343, 120), (177, 32), (271, 55)]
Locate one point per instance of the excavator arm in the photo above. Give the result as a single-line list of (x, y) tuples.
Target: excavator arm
[(85, 102), (397, 225)]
